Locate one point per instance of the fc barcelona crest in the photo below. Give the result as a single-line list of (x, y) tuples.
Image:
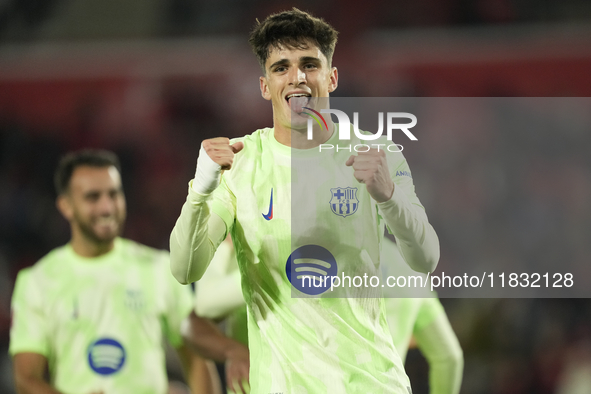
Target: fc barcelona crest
[(344, 201)]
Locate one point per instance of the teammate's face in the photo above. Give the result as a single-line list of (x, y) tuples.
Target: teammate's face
[(95, 204), (299, 72)]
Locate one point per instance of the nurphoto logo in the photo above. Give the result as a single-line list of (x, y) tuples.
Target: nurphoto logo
[(308, 113), (345, 130)]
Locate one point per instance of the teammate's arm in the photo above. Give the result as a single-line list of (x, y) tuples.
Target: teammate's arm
[(200, 374), (197, 234), (439, 344), (210, 343), (29, 372), (29, 342)]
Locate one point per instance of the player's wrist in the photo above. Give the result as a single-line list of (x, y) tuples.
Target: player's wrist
[(235, 350), (387, 198), (207, 174), (384, 196)]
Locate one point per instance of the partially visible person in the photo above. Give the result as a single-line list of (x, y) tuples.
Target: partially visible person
[(417, 317), (210, 342), (91, 316), (218, 294)]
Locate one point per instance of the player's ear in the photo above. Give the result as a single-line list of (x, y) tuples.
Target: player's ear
[(333, 80), (265, 92), (64, 205)]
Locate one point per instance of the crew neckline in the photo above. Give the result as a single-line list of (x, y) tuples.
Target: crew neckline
[(94, 261), (294, 152)]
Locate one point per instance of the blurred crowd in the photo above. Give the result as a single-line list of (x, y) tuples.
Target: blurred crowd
[(507, 188), (26, 20)]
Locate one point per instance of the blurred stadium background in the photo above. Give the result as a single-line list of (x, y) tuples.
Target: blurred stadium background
[(150, 79)]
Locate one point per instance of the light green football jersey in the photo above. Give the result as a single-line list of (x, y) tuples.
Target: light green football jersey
[(218, 294), (407, 310), (409, 315), (100, 321), (283, 208)]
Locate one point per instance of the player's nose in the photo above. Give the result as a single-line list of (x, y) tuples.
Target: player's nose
[(298, 77), (106, 205)]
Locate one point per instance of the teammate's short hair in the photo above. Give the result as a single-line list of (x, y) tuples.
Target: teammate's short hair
[(86, 157), (292, 29)]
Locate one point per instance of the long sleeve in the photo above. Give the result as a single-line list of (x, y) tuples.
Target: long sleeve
[(415, 236), (219, 293), (194, 238), (441, 348), (407, 220)]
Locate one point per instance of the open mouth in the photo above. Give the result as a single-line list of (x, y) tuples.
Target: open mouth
[(106, 222), (297, 101)]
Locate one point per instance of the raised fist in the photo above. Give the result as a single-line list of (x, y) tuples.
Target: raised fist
[(371, 168), (221, 152)]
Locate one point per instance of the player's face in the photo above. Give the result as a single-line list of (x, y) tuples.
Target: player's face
[(296, 73), (95, 204)]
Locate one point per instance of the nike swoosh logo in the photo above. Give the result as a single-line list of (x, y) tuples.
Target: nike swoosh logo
[(269, 215)]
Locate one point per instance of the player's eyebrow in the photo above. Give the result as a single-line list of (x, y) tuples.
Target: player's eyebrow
[(98, 192), (305, 59), (91, 193), (280, 62)]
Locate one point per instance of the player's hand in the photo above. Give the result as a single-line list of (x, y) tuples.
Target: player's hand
[(371, 168), (215, 155), (221, 152), (238, 369)]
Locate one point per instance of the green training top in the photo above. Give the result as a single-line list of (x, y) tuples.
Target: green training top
[(294, 212), (100, 321)]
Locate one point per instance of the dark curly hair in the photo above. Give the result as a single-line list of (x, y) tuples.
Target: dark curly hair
[(87, 157), (292, 29)]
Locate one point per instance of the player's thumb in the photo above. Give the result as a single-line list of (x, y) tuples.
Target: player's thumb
[(237, 146), (350, 160)]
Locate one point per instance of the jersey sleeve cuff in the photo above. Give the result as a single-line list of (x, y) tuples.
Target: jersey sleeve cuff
[(14, 349), (398, 200), (195, 196)]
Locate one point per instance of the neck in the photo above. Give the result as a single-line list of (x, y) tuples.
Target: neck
[(89, 248), (298, 139)]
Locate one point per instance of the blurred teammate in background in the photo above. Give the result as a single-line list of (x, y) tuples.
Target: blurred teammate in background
[(92, 315), (315, 345), (420, 315), (209, 341), (219, 294)]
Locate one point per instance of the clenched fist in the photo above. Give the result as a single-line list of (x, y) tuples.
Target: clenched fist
[(216, 155), (371, 168), (221, 152)]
